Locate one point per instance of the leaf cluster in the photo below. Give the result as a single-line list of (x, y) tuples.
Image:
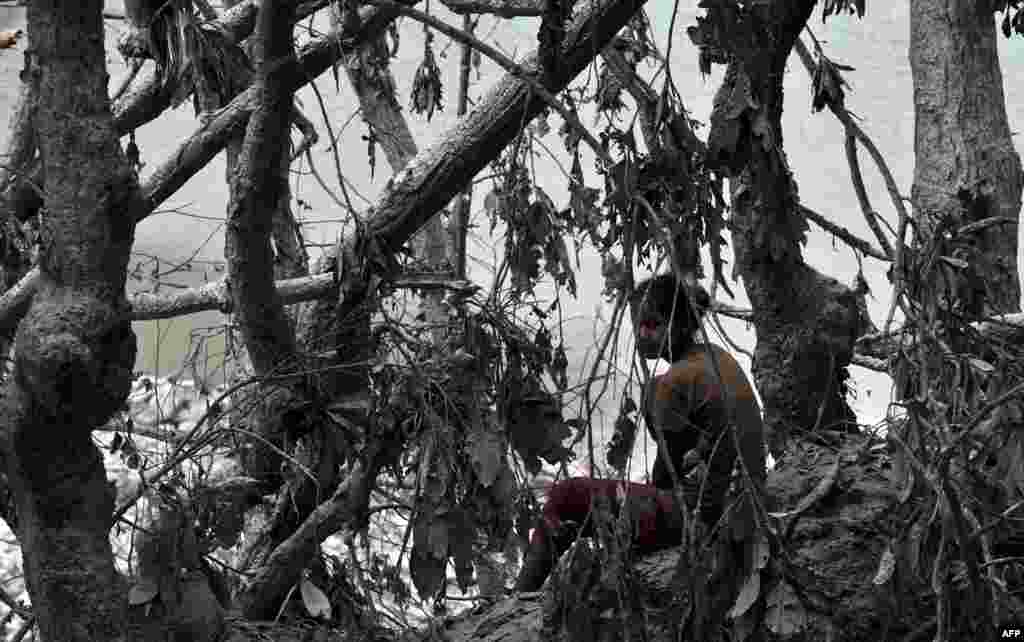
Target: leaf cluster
[(466, 418), (960, 435), (1013, 16)]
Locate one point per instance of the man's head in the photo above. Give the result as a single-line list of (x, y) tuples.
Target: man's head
[(663, 320)]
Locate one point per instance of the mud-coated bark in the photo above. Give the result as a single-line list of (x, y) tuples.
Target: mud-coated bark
[(806, 322), (74, 350), (257, 188), (962, 138)]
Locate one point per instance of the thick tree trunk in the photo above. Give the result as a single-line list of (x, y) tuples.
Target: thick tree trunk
[(962, 140), (806, 322), (74, 351)]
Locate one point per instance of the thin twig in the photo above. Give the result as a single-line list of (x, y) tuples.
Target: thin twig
[(845, 235)]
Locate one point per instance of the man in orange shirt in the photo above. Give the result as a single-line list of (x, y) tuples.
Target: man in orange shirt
[(691, 406)]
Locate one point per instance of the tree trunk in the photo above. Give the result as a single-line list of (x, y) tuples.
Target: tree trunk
[(965, 158), (75, 349), (806, 322)]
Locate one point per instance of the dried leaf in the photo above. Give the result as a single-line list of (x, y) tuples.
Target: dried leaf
[(982, 366), (315, 600), (748, 595), (886, 567)]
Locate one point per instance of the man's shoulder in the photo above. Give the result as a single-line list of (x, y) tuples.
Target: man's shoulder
[(702, 366)]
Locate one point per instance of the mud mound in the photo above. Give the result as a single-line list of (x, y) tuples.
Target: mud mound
[(837, 512)]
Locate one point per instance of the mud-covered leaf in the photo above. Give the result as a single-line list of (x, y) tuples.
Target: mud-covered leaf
[(486, 450), (460, 545), (748, 595), (315, 600), (536, 427), (427, 571), (621, 444), (430, 534)]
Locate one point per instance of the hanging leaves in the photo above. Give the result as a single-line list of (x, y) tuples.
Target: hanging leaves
[(429, 556), (461, 541), (427, 571), (623, 437), (609, 91), (535, 425), (427, 90), (559, 367), (486, 450), (1013, 21), (828, 83), (836, 7)]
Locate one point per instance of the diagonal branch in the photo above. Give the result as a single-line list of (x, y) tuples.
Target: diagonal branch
[(503, 8), (436, 175)]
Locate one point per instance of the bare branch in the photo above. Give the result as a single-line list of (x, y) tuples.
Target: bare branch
[(503, 8), (845, 235), (870, 215), (216, 295)]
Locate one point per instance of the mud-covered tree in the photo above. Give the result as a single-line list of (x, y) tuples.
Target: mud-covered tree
[(336, 405)]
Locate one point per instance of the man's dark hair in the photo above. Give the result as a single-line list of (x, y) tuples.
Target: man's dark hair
[(669, 300)]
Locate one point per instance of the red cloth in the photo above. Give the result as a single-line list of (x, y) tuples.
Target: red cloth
[(651, 509)]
